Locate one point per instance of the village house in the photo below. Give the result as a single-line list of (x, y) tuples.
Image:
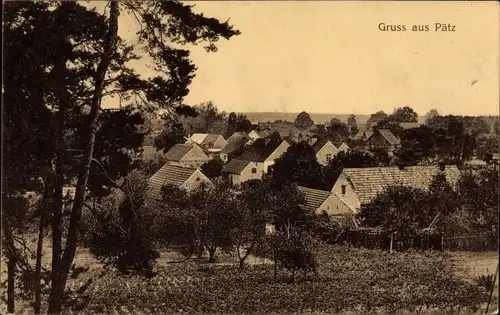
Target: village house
[(326, 203), (264, 152), (325, 150), (182, 177), (359, 186), (212, 144), (189, 155), (239, 171), (235, 143), (343, 147), (254, 135), (380, 138)]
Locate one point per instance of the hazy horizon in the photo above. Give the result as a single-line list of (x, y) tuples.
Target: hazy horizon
[(341, 62)]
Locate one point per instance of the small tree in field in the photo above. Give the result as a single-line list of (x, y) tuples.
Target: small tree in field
[(254, 211), (401, 209), (294, 250), (205, 217)]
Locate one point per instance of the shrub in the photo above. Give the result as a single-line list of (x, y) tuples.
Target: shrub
[(486, 281), (124, 237)]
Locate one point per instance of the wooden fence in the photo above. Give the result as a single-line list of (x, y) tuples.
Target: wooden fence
[(371, 239), (471, 243)]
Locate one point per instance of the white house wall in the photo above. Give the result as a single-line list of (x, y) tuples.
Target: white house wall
[(350, 198)]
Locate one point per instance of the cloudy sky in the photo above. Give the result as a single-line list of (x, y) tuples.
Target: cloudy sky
[(330, 57)]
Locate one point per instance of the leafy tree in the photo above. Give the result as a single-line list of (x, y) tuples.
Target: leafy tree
[(479, 193), (213, 168), (299, 165), (496, 129), (381, 155), (338, 130), (376, 117), (404, 114), (123, 237), (205, 217), (351, 158), (231, 124), (294, 250), (303, 121), (487, 145), (88, 65), (243, 124), (431, 114), (255, 210), (409, 154), (442, 196), (401, 209), (424, 141), (453, 143), (172, 134), (207, 115), (353, 126)]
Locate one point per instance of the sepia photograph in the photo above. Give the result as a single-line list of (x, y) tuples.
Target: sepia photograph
[(250, 157)]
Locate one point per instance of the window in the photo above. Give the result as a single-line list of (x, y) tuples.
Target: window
[(254, 170), (328, 157), (343, 189), (197, 179)]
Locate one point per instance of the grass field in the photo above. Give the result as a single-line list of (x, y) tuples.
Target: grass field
[(351, 281)]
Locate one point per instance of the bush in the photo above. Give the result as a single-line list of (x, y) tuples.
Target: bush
[(486, 281), (124, 237)]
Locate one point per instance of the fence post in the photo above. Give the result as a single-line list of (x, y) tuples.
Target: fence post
[(442, 241), (392, 240), (492, 288)]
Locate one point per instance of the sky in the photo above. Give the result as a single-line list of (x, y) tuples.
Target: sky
[(331, 57)]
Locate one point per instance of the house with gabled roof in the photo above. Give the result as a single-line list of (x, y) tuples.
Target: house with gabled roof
[(254, 135), (210, 143), (235, 143), (190, 155), (360, 186), (325, 150), (239, 171), (182, 177), (264, 152), (381, 138), (343, 147), (323, 202)]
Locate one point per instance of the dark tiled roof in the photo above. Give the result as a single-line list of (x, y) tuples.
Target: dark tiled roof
[(168, 174), (314, 197), (209, 141), (178, 151), (235, 166), (260, 150), (389, 136), (319, 144), (237, 135), (370, 181), (234, 143)]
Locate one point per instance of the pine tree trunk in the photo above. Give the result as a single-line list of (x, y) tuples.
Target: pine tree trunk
[(11, 273), (38, 267), (60, 270), (9, 251)]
